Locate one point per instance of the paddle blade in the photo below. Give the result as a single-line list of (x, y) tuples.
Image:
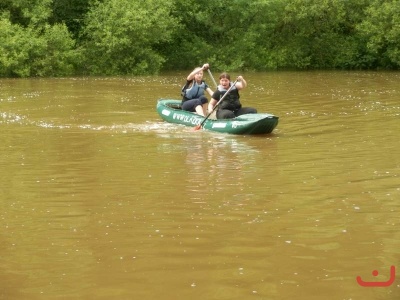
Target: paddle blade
[(198, 127)]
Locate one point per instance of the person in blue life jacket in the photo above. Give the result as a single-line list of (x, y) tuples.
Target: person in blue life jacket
[(230, 107), (194, 99)]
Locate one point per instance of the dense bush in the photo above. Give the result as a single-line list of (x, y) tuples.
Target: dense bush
[(120, 36), (29, 46), (117, 37)]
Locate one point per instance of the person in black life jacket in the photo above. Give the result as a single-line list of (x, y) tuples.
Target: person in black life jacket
[(194, 99), (230, 107)]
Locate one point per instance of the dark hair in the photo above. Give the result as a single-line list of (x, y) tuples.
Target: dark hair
[(225, 75)]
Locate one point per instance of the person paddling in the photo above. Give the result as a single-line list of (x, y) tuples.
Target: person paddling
[(194, 99), (230, 107)]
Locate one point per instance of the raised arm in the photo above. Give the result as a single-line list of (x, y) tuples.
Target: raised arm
[(241, 83), (196, 70)]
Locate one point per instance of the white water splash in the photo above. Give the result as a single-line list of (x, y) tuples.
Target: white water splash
[(148, 126)]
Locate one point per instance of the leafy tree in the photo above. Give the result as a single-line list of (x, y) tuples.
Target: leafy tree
[(29, 46), (219, 32), (54, 54), (318, 34), (189, 43), (122, 35), (27, 12), (70, 12), (118, 37), (15, 45), (382, 33)]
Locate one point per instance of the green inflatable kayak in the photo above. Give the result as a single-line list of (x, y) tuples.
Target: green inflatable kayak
[(170, 111)]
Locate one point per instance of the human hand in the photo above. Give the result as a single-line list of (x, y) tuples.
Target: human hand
[(205, 66), (240, 78)]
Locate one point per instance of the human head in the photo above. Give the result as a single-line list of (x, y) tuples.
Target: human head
[(225, 75), (224, 80), (199, 75)]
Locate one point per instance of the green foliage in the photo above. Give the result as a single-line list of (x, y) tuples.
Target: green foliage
[(382, 32), (54, 54), (121, 36), (70, 12), (27, 51), (318, 34), (15, 44), (218, 32), (27, 12)]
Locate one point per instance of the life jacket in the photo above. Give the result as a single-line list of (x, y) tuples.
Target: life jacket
[(194, 91), (232, 100)]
